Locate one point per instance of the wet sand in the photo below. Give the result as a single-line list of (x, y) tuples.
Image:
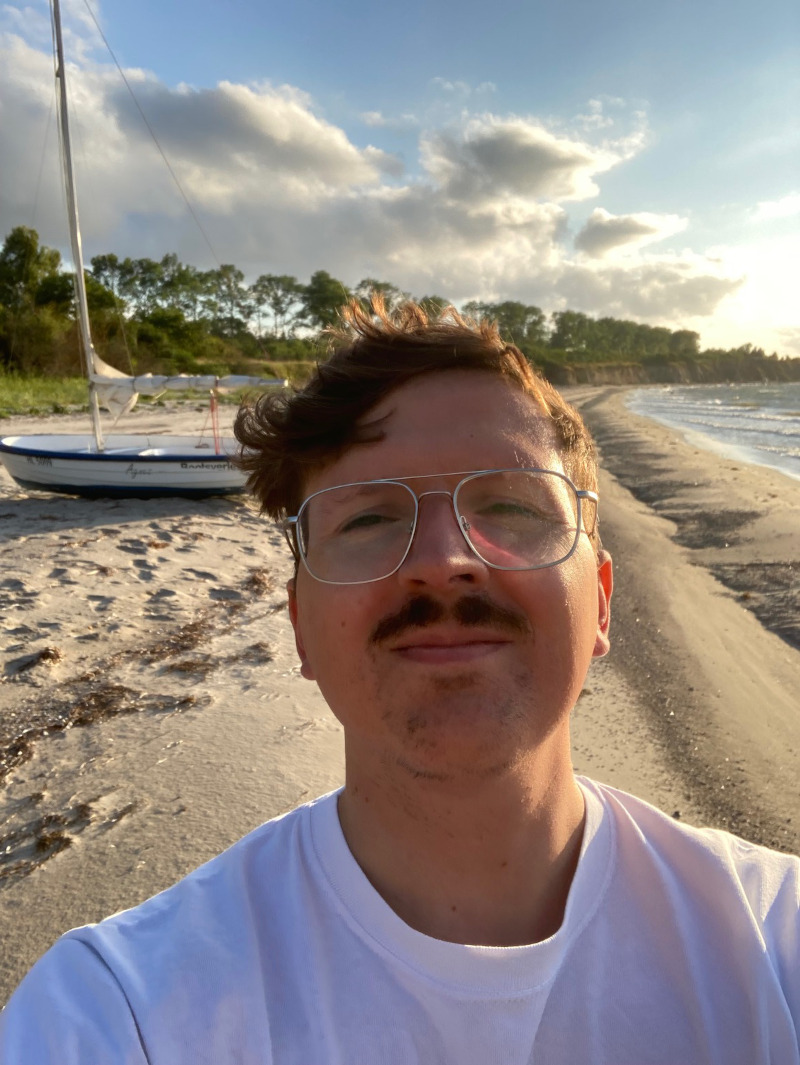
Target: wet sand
[(152, 712), (705, 620)]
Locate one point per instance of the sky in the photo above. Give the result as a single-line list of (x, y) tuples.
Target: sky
[(639, 160)]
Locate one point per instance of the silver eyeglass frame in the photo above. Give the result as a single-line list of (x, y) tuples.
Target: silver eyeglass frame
[(290, 525)]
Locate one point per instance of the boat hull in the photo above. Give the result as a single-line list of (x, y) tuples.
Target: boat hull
[(137, 466)]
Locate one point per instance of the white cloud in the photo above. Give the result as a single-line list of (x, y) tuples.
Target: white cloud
[(458, 88), (604, 233), (790, 340), (280, 189), (786, 207), (234, 147), (593, 117), (764, 310), (667, 289), (489, 155), (377, 120)]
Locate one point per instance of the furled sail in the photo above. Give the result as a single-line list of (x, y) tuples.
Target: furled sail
[(118, 392)]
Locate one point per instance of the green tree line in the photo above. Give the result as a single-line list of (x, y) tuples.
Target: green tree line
[(167, 316)]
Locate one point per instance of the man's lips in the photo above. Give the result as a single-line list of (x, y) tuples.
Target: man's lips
[(440, 648)]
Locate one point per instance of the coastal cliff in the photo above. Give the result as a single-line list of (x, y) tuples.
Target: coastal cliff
[(684, 372)]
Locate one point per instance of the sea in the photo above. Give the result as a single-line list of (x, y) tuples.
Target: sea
[(755, 423)]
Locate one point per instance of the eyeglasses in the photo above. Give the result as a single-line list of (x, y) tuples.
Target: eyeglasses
[(519, 519)]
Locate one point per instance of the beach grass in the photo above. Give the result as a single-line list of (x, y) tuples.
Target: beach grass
[(29, 394), (39, 395)]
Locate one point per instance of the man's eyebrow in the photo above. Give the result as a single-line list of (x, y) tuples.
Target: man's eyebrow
[(358, 488)]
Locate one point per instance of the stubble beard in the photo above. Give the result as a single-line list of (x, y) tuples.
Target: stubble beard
[(467, 724), (459, 726)]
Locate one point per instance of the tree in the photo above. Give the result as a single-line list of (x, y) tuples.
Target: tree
[(369, 287), (56, 291), (571, 331), (182, 287), (24, 265), (229, 299), (35, 304), (140, 281), (520, 323), (433, 305), (476, 309), (685, 344), (282, 295), (323, 298), (107, 270)]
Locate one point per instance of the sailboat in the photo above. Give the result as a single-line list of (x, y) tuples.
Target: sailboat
[(130, 465)]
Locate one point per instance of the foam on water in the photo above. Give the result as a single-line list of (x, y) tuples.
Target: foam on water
[(756, 423)]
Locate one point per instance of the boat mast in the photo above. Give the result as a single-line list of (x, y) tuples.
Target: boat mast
[(87, 348)]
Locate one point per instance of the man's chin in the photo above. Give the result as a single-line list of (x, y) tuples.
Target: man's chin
[(448, 744)]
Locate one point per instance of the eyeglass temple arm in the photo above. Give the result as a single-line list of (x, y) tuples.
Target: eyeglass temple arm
[(289, 530), (592, 497)]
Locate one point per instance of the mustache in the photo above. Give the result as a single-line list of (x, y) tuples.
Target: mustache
[(470, 610)]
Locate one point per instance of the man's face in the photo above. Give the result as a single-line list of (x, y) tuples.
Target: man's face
[(449, 667)]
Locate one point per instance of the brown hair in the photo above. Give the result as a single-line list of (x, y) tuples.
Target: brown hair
[(286, 436)]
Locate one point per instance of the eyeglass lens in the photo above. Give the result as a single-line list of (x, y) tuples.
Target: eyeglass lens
[(513, 519)]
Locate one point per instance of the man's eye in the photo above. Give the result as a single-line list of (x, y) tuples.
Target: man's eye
[(365, 521), (511, 508)]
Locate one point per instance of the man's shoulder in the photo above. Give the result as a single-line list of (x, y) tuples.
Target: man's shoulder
[(218, 895), (699, 860), (187, 964)]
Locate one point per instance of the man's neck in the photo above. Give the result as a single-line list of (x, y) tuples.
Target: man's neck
[(485, 862)]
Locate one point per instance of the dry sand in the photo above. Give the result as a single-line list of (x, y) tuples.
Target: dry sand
[(152, 712)]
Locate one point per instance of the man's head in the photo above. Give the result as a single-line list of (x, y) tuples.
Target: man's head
[(447, 665), (289, 436)]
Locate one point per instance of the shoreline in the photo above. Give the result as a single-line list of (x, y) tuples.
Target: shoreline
[(704, 618), (169, 717), (707, 441), (739, 519)]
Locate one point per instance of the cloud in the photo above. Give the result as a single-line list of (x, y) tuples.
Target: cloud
[(234, 147), (593, 117), (790, 340), (604, 232), (462, 89), (479, 214), (767, 301), (786, 207), (457, 88), (490, 155), (377, 120), (239, 129), (667, 289)]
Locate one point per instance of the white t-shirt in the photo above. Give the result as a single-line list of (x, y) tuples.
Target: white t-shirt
[(678, 946)]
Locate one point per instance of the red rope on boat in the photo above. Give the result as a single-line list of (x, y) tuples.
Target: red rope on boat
[(215, 422)]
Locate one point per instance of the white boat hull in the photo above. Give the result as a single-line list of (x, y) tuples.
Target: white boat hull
[(132, 465)]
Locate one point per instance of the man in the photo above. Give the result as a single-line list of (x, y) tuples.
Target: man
[(464, 899)]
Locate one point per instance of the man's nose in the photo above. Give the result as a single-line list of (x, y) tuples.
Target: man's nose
[(439, 552)]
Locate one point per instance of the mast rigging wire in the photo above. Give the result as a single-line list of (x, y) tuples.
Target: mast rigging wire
[(151, 131)]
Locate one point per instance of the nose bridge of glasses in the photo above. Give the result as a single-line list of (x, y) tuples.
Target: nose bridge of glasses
[(453, 514), (438, 492), (434, 492)]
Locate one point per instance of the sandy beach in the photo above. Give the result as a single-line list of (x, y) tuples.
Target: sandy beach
[(152, 711)]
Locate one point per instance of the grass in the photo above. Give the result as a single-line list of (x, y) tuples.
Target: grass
[(38, 395), (41, 395)]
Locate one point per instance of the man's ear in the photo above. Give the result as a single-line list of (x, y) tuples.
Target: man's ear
[(305, 665), (605, 586)]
